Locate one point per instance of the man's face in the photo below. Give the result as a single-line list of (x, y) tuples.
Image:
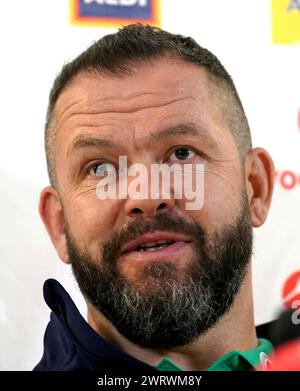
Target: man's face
[(163, 112)]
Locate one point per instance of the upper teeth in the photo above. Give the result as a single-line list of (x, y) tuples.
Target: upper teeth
[(158, 243)]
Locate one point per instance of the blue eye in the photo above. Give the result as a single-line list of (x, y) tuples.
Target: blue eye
[(182, 153), (101, 169)]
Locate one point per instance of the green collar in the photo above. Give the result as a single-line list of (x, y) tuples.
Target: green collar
[(232, 361)]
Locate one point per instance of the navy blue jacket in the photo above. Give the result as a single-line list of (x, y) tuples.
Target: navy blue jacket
[(71, 344)]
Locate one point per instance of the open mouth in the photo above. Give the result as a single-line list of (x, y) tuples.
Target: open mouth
[(154, 246), (155, 242)]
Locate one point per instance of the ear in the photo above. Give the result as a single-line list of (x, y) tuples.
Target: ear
[(51, 212), (260, 173)]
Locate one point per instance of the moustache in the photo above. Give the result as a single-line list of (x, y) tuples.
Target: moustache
[(112, 248)]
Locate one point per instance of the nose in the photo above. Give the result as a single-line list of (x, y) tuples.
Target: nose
[(147, 207), (147, 195)]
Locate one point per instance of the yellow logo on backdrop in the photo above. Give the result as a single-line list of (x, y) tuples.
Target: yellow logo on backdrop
[(286, 21)]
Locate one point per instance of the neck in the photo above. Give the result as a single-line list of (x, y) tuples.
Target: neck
[(235, 330)]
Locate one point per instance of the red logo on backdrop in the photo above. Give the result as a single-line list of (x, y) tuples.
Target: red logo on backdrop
[(287, 179), (291, 289)]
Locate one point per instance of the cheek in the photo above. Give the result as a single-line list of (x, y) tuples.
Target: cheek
[(221, 201), (223, 197), (90, 220)]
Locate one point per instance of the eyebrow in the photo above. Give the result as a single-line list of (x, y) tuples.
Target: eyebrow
[(183, 129), (87, 141)]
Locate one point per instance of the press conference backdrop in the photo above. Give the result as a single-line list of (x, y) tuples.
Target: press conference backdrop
[(257, 42)]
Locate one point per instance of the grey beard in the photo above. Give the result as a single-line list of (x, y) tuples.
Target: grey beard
[(163, 309), (166, 317)]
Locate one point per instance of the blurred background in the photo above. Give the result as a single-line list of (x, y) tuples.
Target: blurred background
[(258, 41)]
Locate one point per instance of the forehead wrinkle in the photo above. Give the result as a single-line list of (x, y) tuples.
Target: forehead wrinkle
[(125, 110), (127, 96), (64, 111), (119, 97)]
